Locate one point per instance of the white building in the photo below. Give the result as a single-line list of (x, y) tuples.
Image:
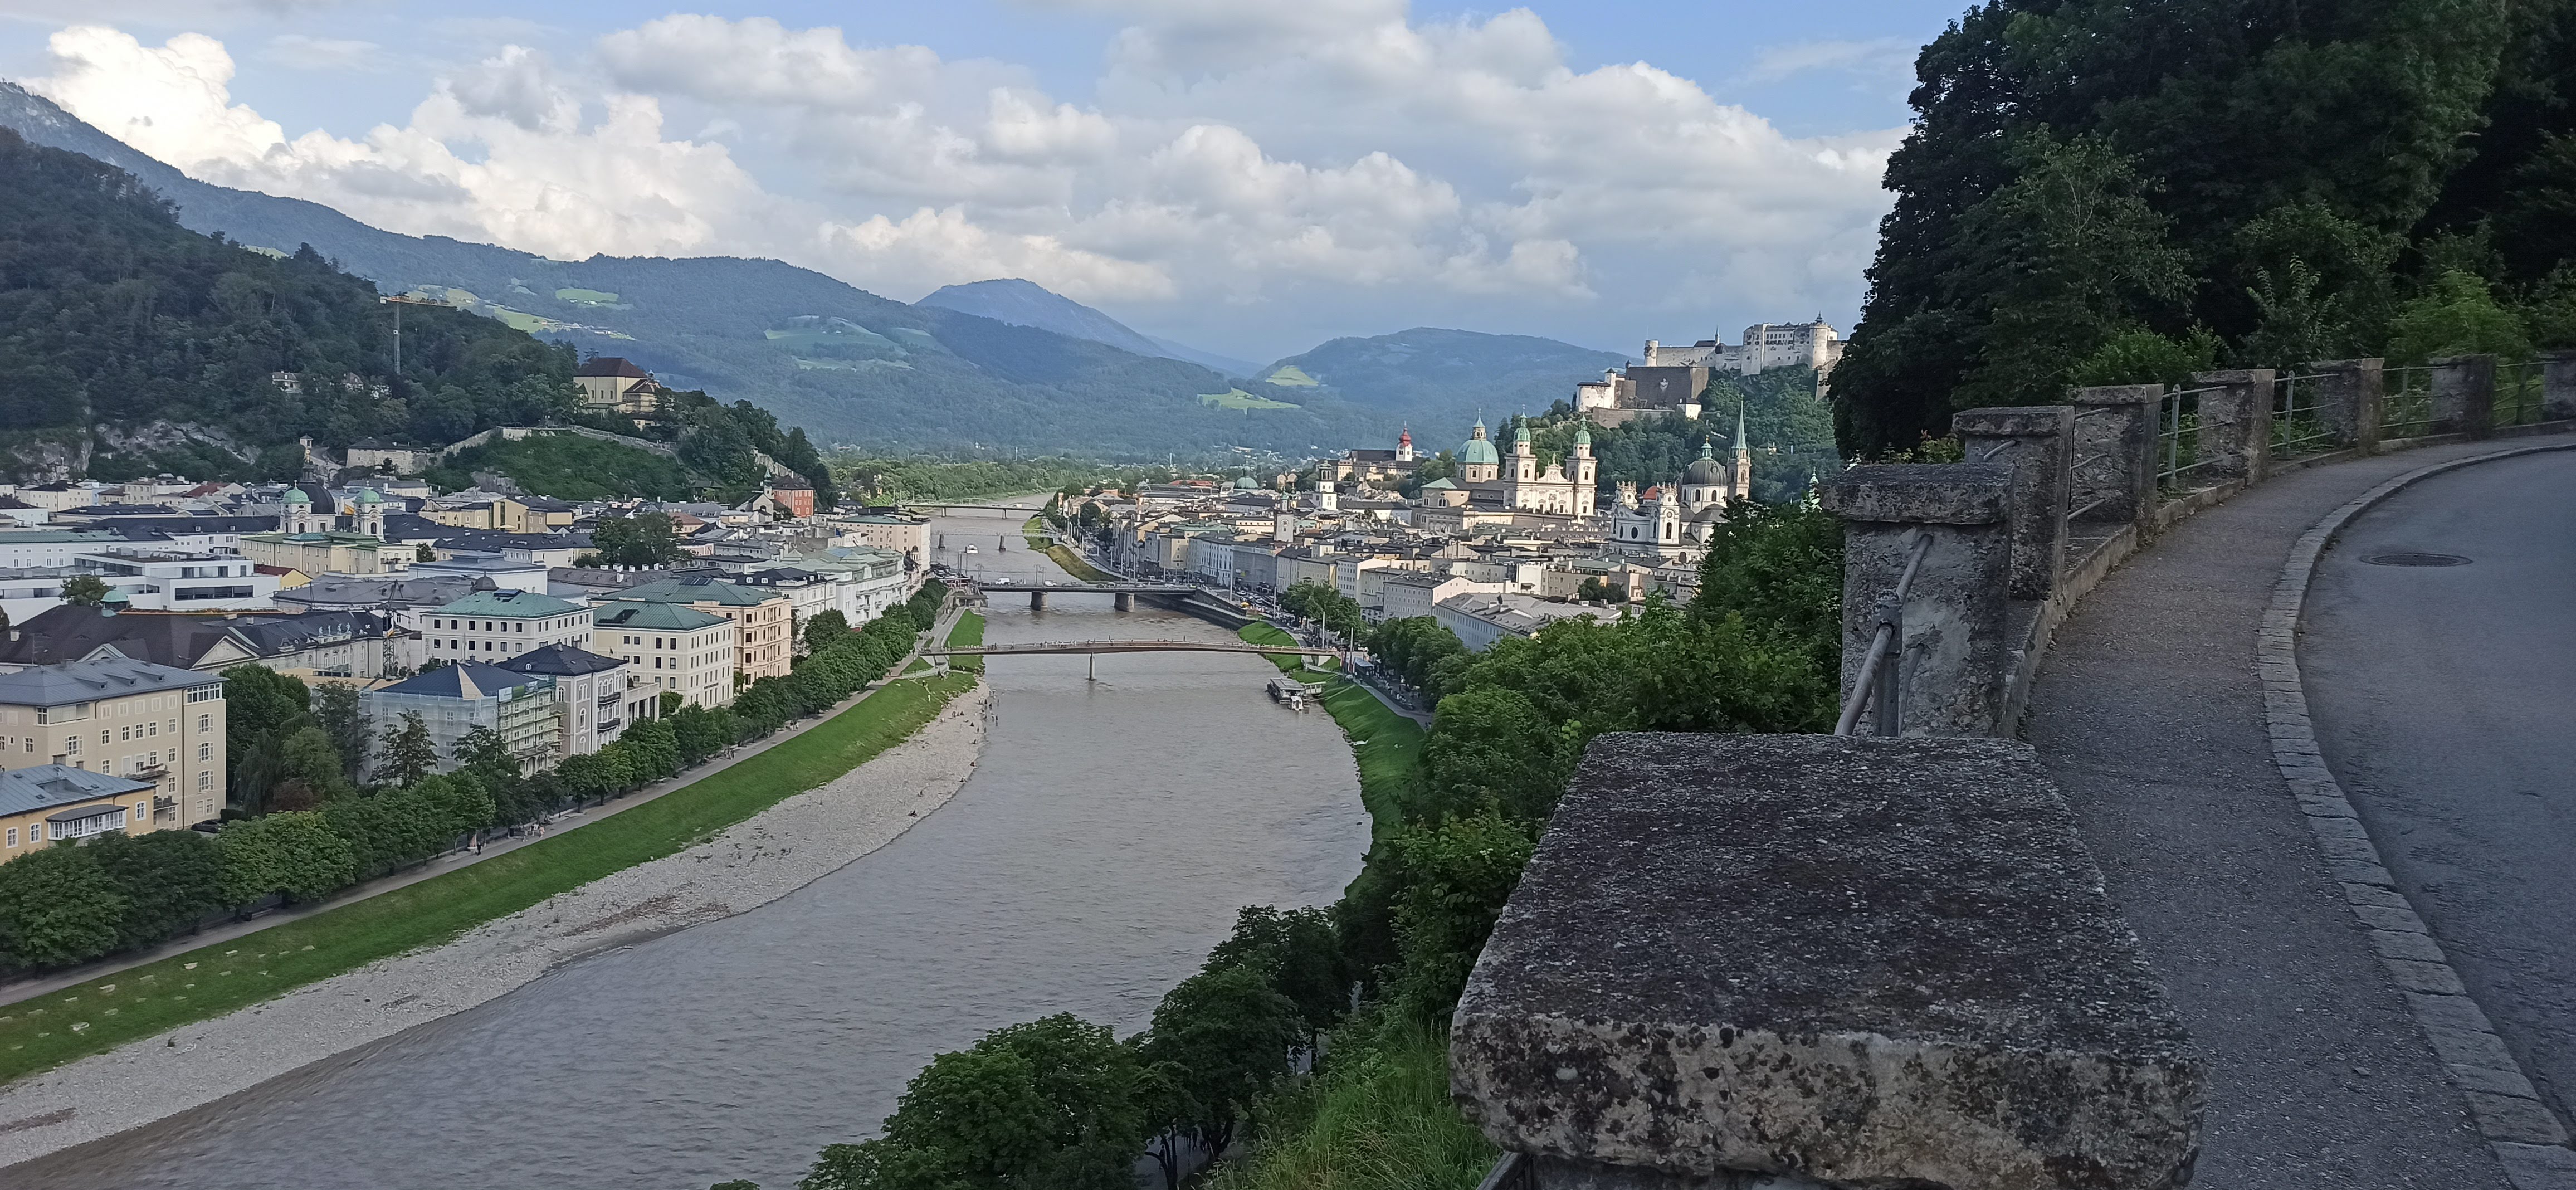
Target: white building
[(1481, 620), (1411, 593), (591, 694), (491, 626), (668, 647)]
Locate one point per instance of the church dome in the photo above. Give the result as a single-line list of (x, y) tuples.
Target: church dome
[(297, 496), (1704, 471), (369, 496), (1478, 449)]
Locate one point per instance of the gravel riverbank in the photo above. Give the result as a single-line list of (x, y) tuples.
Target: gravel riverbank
[(750, 864)]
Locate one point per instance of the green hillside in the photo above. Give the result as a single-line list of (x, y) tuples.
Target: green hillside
[(1432, 373), (571, 468), (113, 314)]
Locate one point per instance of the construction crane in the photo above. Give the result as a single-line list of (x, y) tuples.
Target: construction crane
[(398, 301)]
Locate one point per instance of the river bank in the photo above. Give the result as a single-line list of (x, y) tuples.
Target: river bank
[(745, 865)]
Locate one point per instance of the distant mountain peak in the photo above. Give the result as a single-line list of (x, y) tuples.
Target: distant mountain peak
[(1022, 302)]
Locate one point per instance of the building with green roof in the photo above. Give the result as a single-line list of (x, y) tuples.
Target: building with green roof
[(494, 624)]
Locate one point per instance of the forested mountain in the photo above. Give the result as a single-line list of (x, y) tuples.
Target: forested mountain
[(2103, 192), (1429, 370), (1026, 303), (850, 366), (121, 330)]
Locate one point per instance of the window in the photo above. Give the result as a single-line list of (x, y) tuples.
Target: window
[(102, 735), (205, 751), (122, 733), (13, 836), (205, 781), (151, 729)]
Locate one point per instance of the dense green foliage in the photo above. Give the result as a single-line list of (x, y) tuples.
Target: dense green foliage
[(568, 467), (1449, 374), (645, 539), (70, 904), (2101, 192), (886, 481), (110, 312)]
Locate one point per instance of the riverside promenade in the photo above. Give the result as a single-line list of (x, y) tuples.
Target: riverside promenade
[(2150, 713)]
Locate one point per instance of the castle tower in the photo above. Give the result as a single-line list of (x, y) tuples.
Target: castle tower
[(1586, 476), (1625, 492), (1325, 498), (1404, 446), (1743, 459)]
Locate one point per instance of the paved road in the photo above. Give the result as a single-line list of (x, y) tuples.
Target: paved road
[(2149, 713), (2444, 698)]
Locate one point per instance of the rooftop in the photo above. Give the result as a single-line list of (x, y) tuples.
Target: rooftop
[(467, 679), (564, 661), (653, 617), (696, 589), (519, 604), (87, 681), (49, 786)]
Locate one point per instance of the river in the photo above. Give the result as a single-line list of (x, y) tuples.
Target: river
[(1104, 843)]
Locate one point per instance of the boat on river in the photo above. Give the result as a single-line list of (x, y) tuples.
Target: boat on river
[(1292, 693)]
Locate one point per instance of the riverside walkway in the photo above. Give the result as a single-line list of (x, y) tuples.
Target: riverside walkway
[(2150, 713)]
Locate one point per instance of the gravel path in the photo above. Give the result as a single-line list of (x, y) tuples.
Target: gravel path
[(2149, 712), (751, 864)]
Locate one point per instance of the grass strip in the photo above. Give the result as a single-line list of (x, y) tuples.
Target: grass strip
[(43, 1033), (1378, 1118), (968, 633), (1065, 557)]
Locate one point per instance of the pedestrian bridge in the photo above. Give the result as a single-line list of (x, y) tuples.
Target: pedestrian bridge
[(1043, 648), (1125, 592)]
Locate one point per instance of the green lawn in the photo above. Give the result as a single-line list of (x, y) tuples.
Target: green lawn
[(1388, 746), (1379, 1118), (1065, 557), (44, 1033), (1293, 376), (969, 631)]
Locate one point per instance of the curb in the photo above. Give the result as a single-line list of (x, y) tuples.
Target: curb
[(2527, 1139)]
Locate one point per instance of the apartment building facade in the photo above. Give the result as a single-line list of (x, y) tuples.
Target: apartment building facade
[(155, 724)]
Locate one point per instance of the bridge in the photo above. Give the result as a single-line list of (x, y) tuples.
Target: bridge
[(1094, 648), (1126, 592)]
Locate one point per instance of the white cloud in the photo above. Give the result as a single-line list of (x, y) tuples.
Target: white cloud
[(1881, 58), (1333, 153), (295, 51)]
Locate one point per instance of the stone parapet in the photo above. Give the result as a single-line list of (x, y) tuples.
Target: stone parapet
[(2464, 395), (2112, 474), (1869, 962), (2031, 442), (1955, 654), (2353, 399), (2557, 385), (2235, 435)]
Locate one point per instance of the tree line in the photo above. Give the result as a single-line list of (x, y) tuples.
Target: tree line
[(326, 800), (2103, 193), (1063, 1102)]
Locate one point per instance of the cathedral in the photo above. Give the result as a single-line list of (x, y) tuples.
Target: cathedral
[(1517, 484), (1677, 525)]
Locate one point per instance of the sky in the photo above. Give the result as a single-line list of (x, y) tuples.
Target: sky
[(1248, 178)]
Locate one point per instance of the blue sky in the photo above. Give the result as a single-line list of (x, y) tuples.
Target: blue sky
[(1249, 178)]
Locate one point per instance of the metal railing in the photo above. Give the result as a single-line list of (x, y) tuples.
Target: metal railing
[(2407, 408), (2178, 434), (1513, 1172), (2518, 393), (2297, 425), (1879, 681)]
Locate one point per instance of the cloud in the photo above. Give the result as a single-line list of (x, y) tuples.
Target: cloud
[(1337, 156), (1880, 58), (296, 51)]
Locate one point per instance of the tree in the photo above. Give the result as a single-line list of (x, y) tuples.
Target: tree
[(337, 711), (645, 539), (169, 880), (409, 753), (57, 908), (1056, 1102), (2456, 315), (823, 629), (84, 590), (1298, 953), (296, 854), (258, 702), (1223, 1037), (309, 763)]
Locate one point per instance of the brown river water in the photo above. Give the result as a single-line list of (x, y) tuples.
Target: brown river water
[(1104, 843)]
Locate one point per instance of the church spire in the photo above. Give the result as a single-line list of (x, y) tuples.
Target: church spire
[(1740, 447), (1743, 460)]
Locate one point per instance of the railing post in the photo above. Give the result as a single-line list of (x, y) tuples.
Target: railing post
[(2464, 395), (2557, 385), (2235, 424), (2353, 399), (1955, 656), (2112, 474), (2031, 442)]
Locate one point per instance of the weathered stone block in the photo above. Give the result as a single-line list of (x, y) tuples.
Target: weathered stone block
[(2557, 385), (2113, 470), (2353, 399), (1956, 652), (2235, 436), (2031, 443), (1872, 962), (2464, 394)]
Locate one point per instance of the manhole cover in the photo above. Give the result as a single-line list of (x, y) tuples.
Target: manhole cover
[(2412, 559)]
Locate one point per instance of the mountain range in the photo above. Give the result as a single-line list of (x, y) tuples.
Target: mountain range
[(1000, 365)]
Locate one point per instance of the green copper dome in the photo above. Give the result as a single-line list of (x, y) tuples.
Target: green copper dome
[(1478, 448), (1520, 430), (297, 496), (1704, 471)]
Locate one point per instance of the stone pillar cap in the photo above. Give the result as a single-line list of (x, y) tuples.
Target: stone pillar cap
[(1920, 493), (2363, 364), (1865, 961), (2015, 420), (2118, 394), (2234, 376), (2469, 358)]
